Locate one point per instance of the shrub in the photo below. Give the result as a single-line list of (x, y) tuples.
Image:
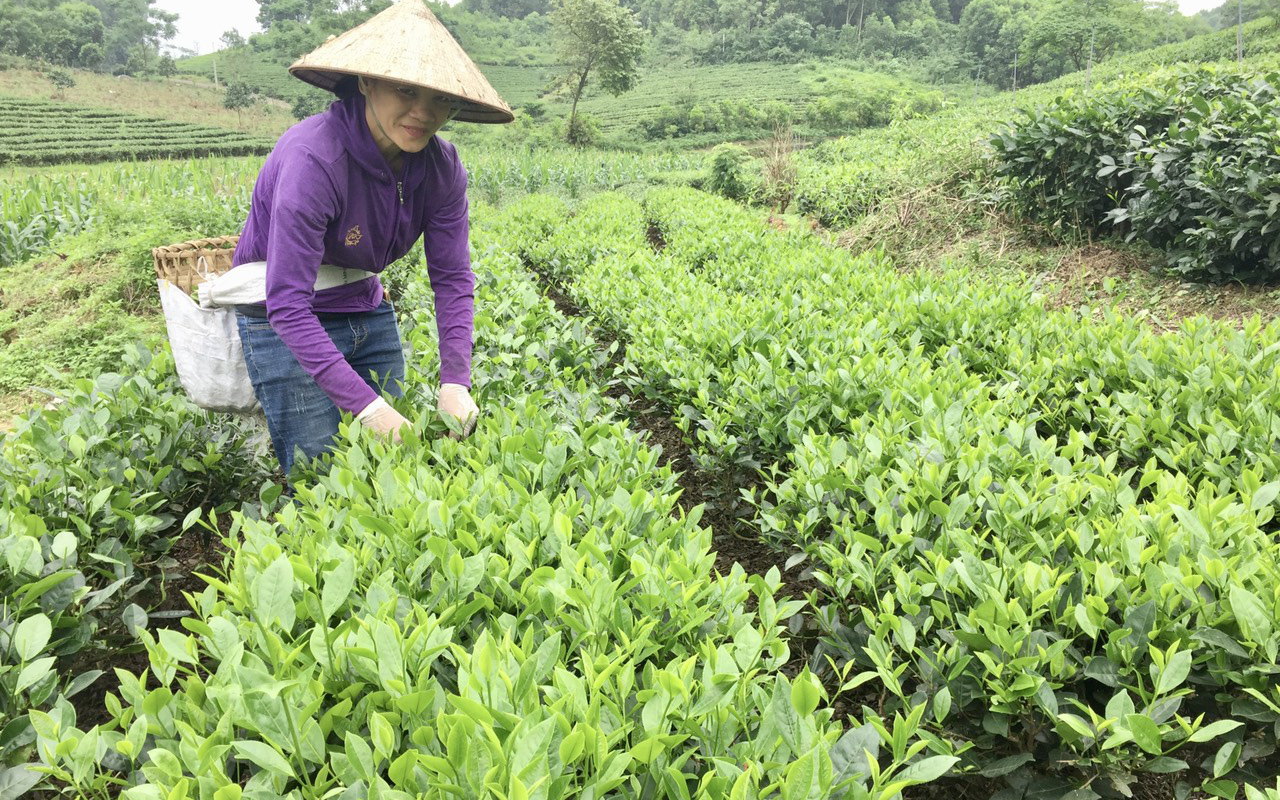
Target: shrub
[(1191, 166), (726, 172), (304, 105), (61, 80), (582, 130)]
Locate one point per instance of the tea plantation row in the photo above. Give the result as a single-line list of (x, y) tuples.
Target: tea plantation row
[(1056, 534), (40, 132), (524, 614)]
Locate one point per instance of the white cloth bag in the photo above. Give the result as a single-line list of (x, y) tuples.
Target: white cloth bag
[(205, 337), (207, 352)]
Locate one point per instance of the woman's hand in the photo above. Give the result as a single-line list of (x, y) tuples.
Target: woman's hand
[(456, 402), (383, 420)]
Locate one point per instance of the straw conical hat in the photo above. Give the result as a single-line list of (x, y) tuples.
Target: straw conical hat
[(405, 43)]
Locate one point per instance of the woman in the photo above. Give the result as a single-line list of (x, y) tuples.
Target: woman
[(343, 194)]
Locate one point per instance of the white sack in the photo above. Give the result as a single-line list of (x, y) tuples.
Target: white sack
[(207, 353)]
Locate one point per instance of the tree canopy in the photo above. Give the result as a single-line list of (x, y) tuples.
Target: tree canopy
[(114, 35), (600, 38)]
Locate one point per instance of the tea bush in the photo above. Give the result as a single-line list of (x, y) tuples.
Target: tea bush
[(1057, 533), (1190, 165), (523, 614), (93, 494)]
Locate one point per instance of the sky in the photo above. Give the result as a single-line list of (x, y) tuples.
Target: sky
[(201, 23)]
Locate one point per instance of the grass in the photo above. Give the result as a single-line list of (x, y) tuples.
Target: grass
[(179, 99), (242, 64), (74, 311), (918, 190), (517, 85)]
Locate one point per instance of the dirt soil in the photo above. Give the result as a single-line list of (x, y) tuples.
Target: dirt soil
[(192, 553), (1126, 279)]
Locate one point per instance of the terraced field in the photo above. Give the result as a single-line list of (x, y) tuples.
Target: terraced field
[(38, 132)]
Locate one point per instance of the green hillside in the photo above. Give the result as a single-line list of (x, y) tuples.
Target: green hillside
[(243, 64), (844, 179), (794, 86), (518, 85), (41, 132)]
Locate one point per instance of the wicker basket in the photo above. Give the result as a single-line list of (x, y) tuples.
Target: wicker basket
[(189, 264)]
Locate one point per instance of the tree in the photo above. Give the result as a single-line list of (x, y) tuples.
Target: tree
[(239, 96), (1074, 34), (61, 80), (166, 66), (308, 103), (133, 31), (90, 55), (271, 12), (102, 34), (232, 38), (68, 28), (991, 32), (596, 36)]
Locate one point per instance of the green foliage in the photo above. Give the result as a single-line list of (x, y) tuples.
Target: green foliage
[(1188, 164), (582, 130), (1001, 546), (726, 178), (519, 613), (1226, 15), (842, 180), (304, 105), (600, 38), (93, 495), (121, 36), (42, 132), (262, 73), (61, 80), (239, 96)]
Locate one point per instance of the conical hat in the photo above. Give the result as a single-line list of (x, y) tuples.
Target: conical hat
[(405, 43)]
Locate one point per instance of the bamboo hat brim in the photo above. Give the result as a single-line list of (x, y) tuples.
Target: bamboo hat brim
[(408, 44)]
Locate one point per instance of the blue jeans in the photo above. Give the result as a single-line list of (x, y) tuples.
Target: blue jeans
[(301, 418)]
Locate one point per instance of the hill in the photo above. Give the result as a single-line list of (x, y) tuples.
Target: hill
[(178, 99), (843, 179), (517, 84), (669, 96), (920, 190), (243, 64), (686, 102)]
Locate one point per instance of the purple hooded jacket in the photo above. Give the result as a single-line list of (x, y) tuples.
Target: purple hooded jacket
[(327, 196)]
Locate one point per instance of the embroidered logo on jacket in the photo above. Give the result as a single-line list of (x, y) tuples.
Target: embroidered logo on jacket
[(353, 236)]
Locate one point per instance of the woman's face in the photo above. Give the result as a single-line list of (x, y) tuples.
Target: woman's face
[(403, 117)]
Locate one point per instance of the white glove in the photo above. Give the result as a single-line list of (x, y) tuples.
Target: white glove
[(456, 401), (382, 419)]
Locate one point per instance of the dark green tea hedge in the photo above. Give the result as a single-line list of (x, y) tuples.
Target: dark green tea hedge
[(1191, 166)]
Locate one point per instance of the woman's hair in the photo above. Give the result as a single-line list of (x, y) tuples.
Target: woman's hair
[(346, 87)]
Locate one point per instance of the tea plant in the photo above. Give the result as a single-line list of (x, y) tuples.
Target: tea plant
[(523, 614), (94, 494), (1005, 528), (40, 132), (1185, 162)]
